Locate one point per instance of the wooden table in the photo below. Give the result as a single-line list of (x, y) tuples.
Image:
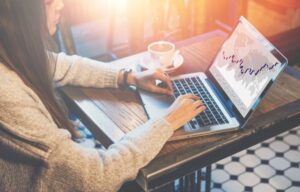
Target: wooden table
[(110, 113)]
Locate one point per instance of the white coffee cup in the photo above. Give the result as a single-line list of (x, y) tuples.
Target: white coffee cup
[(163, 52)]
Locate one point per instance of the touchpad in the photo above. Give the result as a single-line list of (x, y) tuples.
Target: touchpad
[(155, 104)]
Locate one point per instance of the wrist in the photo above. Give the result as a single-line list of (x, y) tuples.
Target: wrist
[(126, 77), (131, 79), (170, 120)]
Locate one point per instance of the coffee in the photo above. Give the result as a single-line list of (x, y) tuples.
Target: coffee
[(161, 47), (162, 52)]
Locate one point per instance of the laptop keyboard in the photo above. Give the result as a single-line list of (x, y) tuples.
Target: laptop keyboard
[(212, 115)]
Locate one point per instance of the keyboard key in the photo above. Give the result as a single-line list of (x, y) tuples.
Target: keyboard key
[(212, 115)]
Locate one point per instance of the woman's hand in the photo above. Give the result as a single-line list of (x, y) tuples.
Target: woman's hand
[(146, 80), (184, 109)]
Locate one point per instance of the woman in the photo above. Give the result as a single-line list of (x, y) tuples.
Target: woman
[(36, 148)]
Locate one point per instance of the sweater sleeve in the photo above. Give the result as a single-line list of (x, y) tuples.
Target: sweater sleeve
[(87, 170), (81, 71), (71, 167)]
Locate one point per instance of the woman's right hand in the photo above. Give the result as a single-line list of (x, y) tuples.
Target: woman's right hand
[(184, 109)]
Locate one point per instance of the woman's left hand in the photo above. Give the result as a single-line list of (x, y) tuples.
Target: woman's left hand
[(146, 80)]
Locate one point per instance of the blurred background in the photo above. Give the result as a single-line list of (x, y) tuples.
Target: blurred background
[(110, 29)]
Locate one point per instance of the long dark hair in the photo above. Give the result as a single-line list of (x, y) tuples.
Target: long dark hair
[(23, 31)]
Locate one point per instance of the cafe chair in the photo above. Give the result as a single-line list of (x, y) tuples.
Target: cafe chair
[(85, 35)]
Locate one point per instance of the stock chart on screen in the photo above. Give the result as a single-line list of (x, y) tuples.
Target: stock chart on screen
[(243, 68)]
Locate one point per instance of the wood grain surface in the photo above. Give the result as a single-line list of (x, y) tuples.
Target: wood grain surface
[(111, 113)]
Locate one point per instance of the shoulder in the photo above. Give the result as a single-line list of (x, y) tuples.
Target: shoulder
[(24, 117), (9, 83), (13, 89), (20, 105)]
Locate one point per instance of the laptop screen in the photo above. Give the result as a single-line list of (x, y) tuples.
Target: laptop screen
[(245, 65)]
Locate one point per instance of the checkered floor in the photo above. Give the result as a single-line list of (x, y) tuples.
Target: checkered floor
[(271, 166)]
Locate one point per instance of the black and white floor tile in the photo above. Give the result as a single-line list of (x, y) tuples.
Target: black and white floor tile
[(271, 166)]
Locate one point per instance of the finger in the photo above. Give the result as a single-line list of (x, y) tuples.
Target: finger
[(156, 89), (159, 70), (191, 96), (165, 78), (200, 109), (186, 96), (198, 103), (170, 81), (189, 101)]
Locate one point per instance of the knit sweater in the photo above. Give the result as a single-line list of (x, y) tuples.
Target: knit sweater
[(37, 155)]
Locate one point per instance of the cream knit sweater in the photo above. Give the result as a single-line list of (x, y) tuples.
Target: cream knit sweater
[(36, 155)]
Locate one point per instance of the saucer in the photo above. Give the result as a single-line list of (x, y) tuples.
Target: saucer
[(148, 63)]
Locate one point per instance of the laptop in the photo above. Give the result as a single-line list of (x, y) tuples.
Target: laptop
[(241, 73)]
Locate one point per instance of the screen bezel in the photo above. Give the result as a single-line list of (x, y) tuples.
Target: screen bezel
[(273, 50)]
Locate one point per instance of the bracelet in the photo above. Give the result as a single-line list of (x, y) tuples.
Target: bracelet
[(125, 77)]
